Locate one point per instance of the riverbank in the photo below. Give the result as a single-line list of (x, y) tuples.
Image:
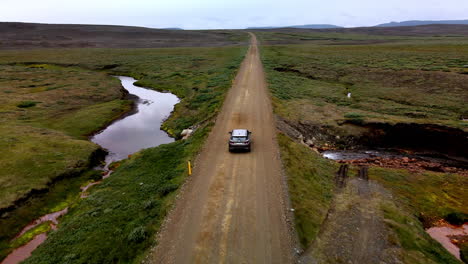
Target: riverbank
[(207, 76), (137, 131), (45, 154)]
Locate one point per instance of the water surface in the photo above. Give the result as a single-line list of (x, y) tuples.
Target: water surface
[(140, 130), (122, 138)]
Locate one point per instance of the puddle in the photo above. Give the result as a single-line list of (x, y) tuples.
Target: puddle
[(352, 155), (349, 155), (444, 234), (122, 138)]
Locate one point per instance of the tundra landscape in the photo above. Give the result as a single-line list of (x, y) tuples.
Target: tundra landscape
[(359, 145)]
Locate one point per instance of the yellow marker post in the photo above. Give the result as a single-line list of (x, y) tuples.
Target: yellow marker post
[(189, 168)]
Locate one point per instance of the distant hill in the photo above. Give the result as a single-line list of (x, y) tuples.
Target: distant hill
[(424, 22), (176, 28), (311, 26), (16, 35), (316, 26), (424, 30)]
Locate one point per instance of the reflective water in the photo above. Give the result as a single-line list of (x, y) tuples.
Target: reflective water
[(140, 130), (391, 154), (122, 138)]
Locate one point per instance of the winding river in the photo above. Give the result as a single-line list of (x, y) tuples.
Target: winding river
[(140, 130), (122, 138)]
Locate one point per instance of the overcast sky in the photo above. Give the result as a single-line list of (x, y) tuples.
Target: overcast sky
[(211, 14)]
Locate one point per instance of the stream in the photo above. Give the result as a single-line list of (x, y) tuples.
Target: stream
[(128, 135), (348, 155)]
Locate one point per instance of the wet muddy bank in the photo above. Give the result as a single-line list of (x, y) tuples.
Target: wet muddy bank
[(423, 138), (450, 237), (426, 142), (59, 195), (397, 160)]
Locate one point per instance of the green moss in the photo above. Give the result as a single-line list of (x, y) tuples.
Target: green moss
[(30, 234)]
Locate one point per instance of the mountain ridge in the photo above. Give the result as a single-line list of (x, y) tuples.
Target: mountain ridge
[(408, 23), (311, 26)]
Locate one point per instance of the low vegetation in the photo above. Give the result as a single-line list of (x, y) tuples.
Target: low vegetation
[(118, 220), (52, 36), (390, 79), (74, 96), (310, 184), (431, 196), (36, 99), (407, 233), (388, 83), (360, 36)]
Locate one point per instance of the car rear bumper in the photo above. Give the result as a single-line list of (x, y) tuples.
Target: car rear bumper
[(239, 147)]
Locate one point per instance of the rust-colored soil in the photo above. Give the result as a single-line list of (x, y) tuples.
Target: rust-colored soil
[(233, 208)]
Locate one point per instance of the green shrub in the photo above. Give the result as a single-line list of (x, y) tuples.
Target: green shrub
[(456, 218), (138, 235), (353, 115), (26, 104)]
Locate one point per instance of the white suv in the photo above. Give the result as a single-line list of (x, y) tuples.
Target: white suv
[(240, 140)]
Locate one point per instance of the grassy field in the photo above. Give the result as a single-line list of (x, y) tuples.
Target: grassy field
[(119, 219), (431, 196), (35, 99), (52, 36), (310, 184), (199, 75), (388, 83), (37, 147), (47, 91), (313, 195), (392, 79), (372, 35)]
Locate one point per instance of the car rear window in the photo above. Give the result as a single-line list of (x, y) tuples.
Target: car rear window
[(238, 139)]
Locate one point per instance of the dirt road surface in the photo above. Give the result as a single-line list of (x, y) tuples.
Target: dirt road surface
[(233, 209)]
